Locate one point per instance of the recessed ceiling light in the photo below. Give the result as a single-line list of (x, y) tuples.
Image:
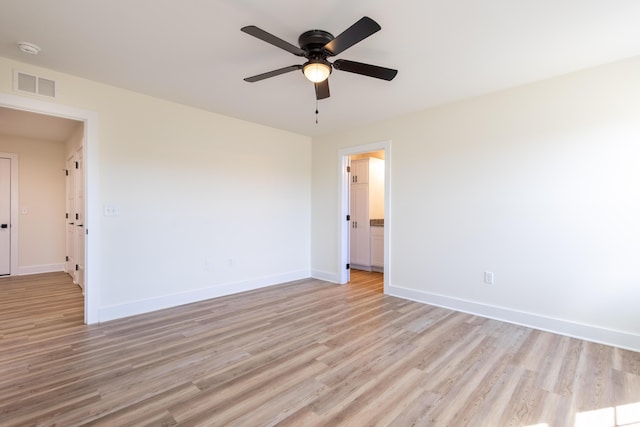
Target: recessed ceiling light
[(29, 48)]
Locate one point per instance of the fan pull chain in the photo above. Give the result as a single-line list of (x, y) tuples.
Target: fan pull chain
[(316, 111)]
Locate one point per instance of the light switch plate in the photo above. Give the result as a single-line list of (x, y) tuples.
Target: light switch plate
[(110, 210), (488, 277)]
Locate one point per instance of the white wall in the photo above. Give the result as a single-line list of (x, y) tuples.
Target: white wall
[(539, 184), (41, 192), (193, 190)]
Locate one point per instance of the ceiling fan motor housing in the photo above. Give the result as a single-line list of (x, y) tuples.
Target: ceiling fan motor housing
[(313, 42)]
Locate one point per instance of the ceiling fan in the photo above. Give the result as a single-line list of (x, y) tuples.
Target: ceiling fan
[(316, 46)]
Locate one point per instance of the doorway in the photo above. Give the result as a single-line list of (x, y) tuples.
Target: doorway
[(344, 251), (90, 206), (366, 237)]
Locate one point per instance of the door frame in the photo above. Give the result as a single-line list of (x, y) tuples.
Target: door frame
[(92, 189), (13, 216), (344, 183)]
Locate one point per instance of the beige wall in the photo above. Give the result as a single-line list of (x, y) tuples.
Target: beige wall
[(41, 192), (538, 184), (207, 204)]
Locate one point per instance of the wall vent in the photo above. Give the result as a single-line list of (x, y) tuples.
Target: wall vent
[(29, 83)]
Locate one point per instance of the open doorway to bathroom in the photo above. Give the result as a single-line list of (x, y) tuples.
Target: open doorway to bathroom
[(364, 247)]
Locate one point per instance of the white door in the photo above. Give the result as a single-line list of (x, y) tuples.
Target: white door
[(70, 266), (79, 218), (5, 216), (347, 187), (360, 255)]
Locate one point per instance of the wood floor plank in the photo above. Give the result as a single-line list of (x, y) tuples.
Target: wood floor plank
[(304, 353)]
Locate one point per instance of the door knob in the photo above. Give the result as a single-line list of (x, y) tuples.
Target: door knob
[(4, 226)]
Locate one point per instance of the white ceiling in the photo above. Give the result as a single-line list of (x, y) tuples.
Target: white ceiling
[(193, 52)]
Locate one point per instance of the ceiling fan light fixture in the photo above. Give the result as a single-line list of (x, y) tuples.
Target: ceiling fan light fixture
[(316, 71)]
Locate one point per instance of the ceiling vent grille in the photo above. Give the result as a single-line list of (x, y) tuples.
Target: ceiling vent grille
[(29, 83)]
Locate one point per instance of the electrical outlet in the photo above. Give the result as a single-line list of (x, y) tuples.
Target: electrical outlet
[(488, 277)]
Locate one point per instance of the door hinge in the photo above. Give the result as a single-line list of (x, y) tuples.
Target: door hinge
[(66, 258), (348, 217), (348, 169), (77, 217), (76, 165), (77, 267), (348, 266), (66, 172), (66, 216)]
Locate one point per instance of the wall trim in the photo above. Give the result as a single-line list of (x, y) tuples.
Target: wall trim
[(326, 276), (37, 269), (173, 300), (615, 338)]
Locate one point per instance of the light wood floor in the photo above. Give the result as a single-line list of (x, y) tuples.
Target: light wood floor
[(297, 354)]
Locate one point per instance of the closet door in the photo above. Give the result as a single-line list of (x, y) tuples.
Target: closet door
[(5, 216), (70, 265), (360, 253), (79, 219), (75, 217)]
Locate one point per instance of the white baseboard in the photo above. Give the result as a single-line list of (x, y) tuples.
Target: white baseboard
[(586, 332), (323, 275), (37, 269), (173, 300), (361, 267)]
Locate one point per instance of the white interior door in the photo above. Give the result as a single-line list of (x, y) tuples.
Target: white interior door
[(70, 266), (5, 216), (359, 243), (79, 218)]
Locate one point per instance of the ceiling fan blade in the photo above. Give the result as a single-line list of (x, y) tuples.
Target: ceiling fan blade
[(365, 69), (272, 73), (271, 39), (352, 35), (322, 89)]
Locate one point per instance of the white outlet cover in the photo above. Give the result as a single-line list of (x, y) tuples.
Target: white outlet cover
[(110, 210)]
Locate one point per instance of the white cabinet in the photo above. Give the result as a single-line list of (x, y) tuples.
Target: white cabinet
[(377, 248), (367, 202), (360, 254), (360, 171)]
